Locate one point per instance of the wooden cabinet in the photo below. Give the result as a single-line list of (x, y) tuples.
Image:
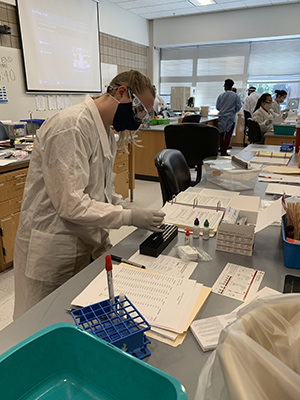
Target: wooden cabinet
[(12, 184), (121, 169)]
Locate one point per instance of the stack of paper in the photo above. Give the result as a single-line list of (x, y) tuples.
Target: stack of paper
[(207, 330), (168, 303)]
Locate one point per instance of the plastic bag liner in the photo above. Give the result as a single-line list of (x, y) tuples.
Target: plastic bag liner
[(258, 356)]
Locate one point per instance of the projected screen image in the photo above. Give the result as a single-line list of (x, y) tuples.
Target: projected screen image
[(60, 45)]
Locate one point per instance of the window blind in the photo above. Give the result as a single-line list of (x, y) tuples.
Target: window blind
[(204, 68), (274, 61)]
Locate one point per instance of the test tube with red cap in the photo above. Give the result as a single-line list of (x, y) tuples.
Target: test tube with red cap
[(110, 282)]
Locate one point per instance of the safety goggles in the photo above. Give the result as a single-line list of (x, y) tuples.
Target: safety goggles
[(140, 112)]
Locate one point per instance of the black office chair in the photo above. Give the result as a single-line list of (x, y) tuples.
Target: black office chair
[(191, 118), (3, 132), (254, 132), (247, 115), (173, 171), (195, 141)]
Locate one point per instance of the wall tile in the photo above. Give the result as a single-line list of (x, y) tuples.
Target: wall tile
[(5, 40), (3, 14)]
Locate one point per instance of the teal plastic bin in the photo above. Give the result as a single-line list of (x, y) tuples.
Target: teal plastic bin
[(284, 129), (63, 362)]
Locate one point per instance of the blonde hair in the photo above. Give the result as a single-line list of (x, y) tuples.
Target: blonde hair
[(133, 79)]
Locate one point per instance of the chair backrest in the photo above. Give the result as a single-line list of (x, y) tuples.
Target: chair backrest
[(173, 172), (247, 115), (195, 141), (3, 132), (191, 118), (254, 132)]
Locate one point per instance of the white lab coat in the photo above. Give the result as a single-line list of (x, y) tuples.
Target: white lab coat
[(263, 118), (159, 104), (276, 108), (251, 101), (68, 203)]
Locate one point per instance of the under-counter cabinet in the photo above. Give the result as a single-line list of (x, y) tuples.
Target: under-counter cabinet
[(12, 184)]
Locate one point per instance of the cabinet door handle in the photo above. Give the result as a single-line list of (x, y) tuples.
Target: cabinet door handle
[(121, 165), (20, 183), (19, 176)]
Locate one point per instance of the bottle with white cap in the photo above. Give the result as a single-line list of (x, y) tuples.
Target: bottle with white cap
[(205, 235)]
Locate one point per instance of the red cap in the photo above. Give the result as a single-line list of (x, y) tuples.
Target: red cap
[(187, 232), (108, 263)]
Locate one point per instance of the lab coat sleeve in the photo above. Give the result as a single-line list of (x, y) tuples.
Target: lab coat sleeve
[(238, 104), (247, 106), (218, 103), (65, 170)]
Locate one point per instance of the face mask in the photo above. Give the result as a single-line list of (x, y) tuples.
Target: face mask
[(268, 106), (123, 118), (281, 101)]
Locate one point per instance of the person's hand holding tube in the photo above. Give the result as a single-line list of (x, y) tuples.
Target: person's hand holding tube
[(147, 219)]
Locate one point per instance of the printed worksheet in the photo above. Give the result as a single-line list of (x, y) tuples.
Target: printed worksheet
[(166, 265), (238, 282), (161, 299)]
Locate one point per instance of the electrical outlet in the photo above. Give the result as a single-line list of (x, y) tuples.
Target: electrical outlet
[(5, 30)]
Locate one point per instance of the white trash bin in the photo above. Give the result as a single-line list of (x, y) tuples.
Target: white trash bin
[(258, 356)]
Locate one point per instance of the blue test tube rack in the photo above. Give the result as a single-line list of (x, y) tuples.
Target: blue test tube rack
[(120, 324)]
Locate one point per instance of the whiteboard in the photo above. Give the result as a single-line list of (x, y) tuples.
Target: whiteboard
[(19, 103)]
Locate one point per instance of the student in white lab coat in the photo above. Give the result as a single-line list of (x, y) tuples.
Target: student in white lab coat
[(280, 97), (159, 103), (251, 100), (69, 202), (264, 114)]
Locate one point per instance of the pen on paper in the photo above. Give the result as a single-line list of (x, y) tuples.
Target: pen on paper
[(110, 282), (120, 259)]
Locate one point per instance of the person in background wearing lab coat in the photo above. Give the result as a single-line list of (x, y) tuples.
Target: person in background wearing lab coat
[(159, 103), (251, 100), (228, 104), (69, 202), (263, 113), (280, 97)]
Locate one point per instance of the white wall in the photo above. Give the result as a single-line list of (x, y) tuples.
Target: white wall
[(118, 22), (254, 23)]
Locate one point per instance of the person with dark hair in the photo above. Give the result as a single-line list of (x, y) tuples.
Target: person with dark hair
[(280, 97), (228, 104), (251, 100), (69, 203), (263, 113)]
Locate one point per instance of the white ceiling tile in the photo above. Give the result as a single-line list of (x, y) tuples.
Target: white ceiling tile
[(210, 8), (233, 5), (252, 3), (227, 1), (153, 9)]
